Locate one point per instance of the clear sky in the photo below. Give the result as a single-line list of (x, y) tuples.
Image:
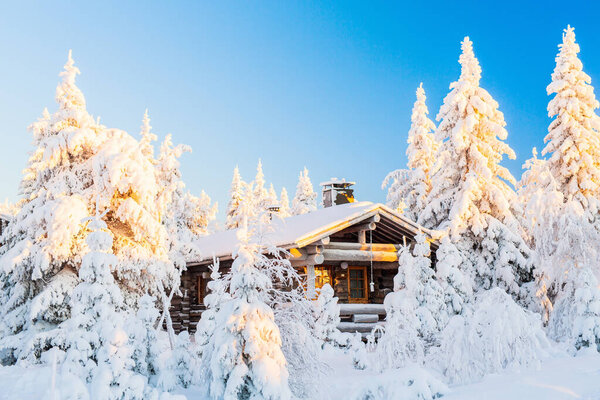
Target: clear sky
[(327, 85)]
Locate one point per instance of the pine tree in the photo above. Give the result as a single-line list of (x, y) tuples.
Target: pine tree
[(455, 284), (573, 140), (409, 188), (78, 166), (246, 358), (147, 137), (305, 199), (284, 204), (272, 197), (143, 337), (260, 193), (469, 183), (471, 196), (236, 194)]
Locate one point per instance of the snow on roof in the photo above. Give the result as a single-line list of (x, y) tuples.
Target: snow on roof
[(301, 230), (336, 181)]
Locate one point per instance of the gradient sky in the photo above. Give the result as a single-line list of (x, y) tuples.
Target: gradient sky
[(327, 85)]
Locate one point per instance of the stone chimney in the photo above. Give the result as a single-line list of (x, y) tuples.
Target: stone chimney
[(336, 192)]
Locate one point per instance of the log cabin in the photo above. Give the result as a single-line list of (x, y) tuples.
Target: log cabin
[(353, 246)]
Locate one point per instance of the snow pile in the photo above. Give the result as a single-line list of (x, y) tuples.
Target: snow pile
[(497, 334)]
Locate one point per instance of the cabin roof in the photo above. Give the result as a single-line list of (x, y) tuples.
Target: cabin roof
[(301, 230)]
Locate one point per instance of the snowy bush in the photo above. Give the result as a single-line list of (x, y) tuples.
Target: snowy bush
[(327, 315), (496, 334), (412, 382)]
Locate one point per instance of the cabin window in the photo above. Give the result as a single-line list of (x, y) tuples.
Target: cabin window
[(323, 275), (201, 288), (357, 285)]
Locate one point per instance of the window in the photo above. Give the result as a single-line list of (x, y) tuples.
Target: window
[(357, 285), (201, 288), (323, 275)]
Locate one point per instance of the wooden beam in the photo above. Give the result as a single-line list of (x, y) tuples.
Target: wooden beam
[(369, 226), (363, 246), (361, 327), (304, 253), (351, 309), (311, 259), (359, 255)]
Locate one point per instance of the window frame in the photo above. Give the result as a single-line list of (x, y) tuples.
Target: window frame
[(365, 298)]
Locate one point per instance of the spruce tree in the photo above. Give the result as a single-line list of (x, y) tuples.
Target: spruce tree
[(471, 196), (284, 204), (305, 199), (409, 188), (573, 140), (236, 196)]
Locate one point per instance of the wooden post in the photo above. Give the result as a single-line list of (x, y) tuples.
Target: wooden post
[(310, 281), (362, 237)]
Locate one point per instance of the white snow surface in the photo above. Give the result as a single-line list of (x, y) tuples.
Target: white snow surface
[(561, 377)]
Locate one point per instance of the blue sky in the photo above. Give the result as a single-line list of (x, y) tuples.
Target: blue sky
[(327, 85)]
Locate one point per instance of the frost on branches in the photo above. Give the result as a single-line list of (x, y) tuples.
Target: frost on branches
[(327, 315), (409, 188), (560, 197), (573, 140), (305, 199), (284, 204), (236, 196), (497, 334), (246, 358), (471, 196), (78, 166), (416, 311)]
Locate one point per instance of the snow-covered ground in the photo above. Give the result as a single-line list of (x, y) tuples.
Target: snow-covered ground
[(559, 378)]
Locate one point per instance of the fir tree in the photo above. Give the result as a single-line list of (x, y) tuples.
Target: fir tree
[(305, 199), (470, 195), (409, 188), (284, 204), (260, 193), (246, 358), (236, 195), (573, 140)]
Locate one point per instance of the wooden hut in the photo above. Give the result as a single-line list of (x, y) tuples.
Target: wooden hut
[(353, 247)]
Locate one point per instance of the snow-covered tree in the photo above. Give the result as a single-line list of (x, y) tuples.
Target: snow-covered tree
[(401, 344), (236, 196), (455, 284), (246, 358), (143, 337), (147, 137), (327, 315), (305, 199), (409, 188), (497, 334), (178, 370), (259, 191), (471, 196), (469, 184), (573, 140), (78, 166), (272, 197), (284, 204)]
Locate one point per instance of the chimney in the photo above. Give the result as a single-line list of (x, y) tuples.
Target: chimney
[(336, 192)]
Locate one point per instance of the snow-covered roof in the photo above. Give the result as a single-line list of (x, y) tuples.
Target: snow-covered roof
[(301, 230)]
